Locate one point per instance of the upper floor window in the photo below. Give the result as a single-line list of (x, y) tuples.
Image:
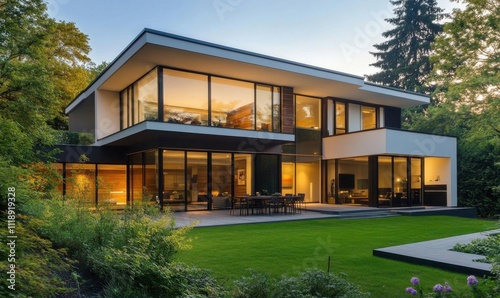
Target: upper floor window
[(201, 99), (185, 97), (139, 102), (232, 103), (308, 112), (368, 118)]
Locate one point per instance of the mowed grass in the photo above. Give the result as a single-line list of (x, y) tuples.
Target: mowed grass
[(291, 247)]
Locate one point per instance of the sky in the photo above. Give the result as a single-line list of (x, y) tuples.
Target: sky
[(333, 34)]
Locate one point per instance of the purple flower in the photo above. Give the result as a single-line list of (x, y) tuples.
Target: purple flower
[(447, 287), (411, 291), (472, 281), (415, 281), (438, 288)]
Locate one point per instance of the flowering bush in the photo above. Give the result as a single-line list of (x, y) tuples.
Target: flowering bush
[(445, 290)]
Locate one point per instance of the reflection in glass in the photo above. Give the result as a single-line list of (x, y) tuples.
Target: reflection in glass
[(232, 103), (197, 187), (340, 120), (242, 174), (221, 180), (264, 107), (146, 97), (185, 97), (308, 113)]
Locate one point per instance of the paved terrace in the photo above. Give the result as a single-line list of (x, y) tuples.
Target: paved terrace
[(434, 253)]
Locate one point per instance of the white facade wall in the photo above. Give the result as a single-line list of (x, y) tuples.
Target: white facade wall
[(107, 119), (440, 152)]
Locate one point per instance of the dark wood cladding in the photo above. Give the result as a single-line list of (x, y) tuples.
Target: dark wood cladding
[(287, 110)]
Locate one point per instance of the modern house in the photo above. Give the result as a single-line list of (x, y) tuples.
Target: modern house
[(191, 124)]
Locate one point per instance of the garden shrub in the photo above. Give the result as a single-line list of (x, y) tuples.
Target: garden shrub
[(311, 284), (38, 267), (130, 252), (488, 247)]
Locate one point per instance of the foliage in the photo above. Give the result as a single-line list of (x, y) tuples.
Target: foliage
[(488, 247), (42, 67), (38, 267), (310, 283), (475, 289), (74, 138), (404, 57), (466, 77), (131, 253)]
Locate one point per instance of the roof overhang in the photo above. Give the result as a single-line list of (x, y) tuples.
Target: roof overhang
[(151, 48)]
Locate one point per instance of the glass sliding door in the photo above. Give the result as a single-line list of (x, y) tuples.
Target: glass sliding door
[(221, 180), (197, 177), (174, 180), (416, 182), (308, 175), (112, 185), (385, 192), (243, 178), (330, 178), (400, 181)]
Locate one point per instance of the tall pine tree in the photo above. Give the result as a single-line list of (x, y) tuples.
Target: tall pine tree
[(404, 57)]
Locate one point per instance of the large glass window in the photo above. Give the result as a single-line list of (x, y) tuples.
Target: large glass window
[(353, 181), (308, 112), (112, 185), (146, 96), (174, 179), (185, 97), (288, 174), (416, 181), (232, 103), (197, 178), (81, 182), (221, 180), (385, 181), (136, 181), (308, 175), (400, 181), (268, 108), (243, 174), (340, 118)]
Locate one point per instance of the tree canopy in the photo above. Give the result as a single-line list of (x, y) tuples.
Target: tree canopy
[(43, 64), (404, 57)]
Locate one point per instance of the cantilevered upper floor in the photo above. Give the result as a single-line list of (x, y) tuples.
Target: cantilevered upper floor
[(164, 84)]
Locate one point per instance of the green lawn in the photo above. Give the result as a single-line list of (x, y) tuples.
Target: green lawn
[(289, 247)]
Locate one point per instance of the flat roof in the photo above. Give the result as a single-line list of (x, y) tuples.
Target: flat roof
[(151, 48)]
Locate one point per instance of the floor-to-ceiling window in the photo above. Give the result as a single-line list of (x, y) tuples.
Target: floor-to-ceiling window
[(221, 180), (399, 181), (81, 182), (112, 185), (368, 117), (197, 177), (243, 169), (174, 179), (353, 183)]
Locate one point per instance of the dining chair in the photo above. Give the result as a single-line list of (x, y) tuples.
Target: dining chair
[(301, 202)]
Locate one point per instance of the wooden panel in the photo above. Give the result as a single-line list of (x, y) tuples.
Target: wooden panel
[(287, 110)]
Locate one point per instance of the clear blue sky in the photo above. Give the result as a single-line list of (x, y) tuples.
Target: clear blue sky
[(335, 34)]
